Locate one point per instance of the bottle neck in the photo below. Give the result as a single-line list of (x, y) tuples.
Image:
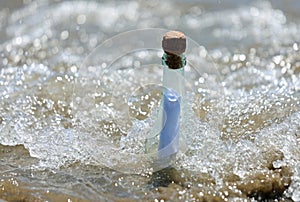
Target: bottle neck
[(173, 73), (173, 61)]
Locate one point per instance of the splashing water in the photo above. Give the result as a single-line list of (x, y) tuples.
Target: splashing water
[(241, 145)]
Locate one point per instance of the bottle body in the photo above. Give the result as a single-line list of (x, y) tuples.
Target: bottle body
[(173, 93)]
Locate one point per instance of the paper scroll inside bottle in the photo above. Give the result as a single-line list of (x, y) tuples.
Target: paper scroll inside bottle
[(169, 136)]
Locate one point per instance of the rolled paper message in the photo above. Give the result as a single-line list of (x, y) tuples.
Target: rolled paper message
[(169, 136)]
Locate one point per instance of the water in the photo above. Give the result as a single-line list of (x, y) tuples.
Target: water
[(65, 137)]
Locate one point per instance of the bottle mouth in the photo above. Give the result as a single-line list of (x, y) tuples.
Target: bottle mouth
[(174, 61)]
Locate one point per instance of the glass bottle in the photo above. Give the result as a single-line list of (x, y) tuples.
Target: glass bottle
[(165, 136)]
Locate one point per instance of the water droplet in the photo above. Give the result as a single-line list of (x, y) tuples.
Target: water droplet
[(64, 35), (295, 47), (81, 19)]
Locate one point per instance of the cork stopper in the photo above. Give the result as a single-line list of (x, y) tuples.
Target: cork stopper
[(174, 42)]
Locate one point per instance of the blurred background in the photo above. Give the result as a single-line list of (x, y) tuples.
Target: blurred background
[(251, 153)]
